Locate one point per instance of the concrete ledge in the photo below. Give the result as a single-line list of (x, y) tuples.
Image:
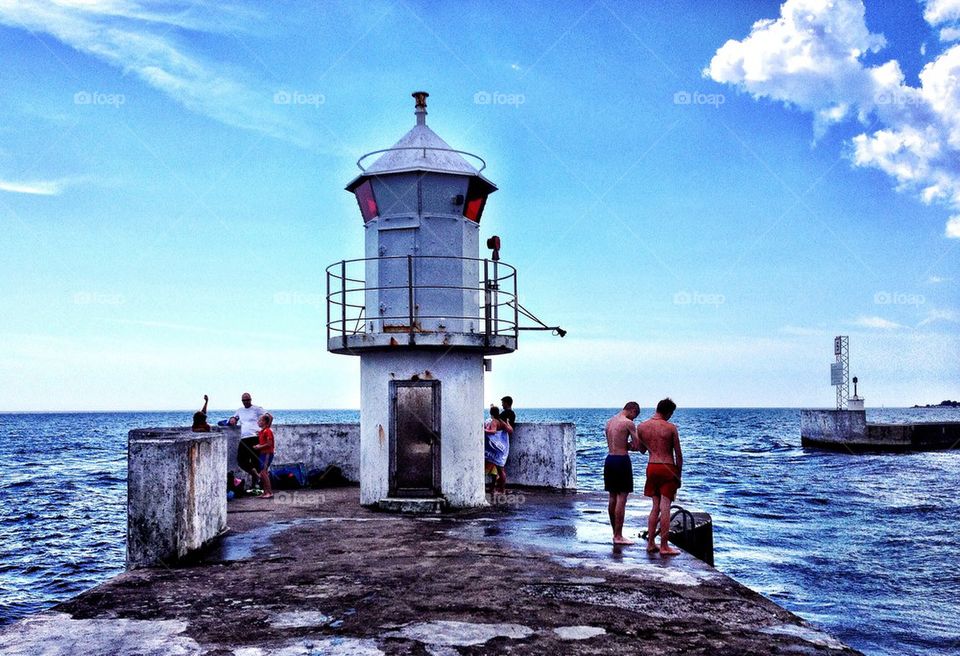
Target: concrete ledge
[(848, 430), (832, 427), (176, 499), (543, 455), (315, 445)]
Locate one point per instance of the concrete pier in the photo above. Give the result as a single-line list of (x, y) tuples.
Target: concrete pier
[(848, 430), (315, 573), (176, 501)]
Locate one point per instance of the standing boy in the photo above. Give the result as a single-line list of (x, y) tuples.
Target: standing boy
[(663, 473), (621, 435)]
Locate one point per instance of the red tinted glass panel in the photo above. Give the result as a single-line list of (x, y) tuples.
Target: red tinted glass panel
[(476, 199), (368, 204)]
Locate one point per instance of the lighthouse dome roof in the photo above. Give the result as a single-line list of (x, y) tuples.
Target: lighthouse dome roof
[(421, 149)]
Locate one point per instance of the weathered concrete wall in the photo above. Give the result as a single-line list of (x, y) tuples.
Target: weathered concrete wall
[(176, 499), (913, 437), (461, 420), (849, 430), (315, 445), (837, 427), (543, 455)]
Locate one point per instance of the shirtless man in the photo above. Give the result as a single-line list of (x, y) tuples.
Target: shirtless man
[(617, 471), (663, 472)]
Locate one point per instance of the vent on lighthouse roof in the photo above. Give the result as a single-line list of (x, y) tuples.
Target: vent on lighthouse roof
[(420, 149)]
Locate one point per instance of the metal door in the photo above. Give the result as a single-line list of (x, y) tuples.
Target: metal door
[(415, 438)]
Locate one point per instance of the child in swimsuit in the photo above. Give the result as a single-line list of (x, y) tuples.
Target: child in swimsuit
[(265, 447)]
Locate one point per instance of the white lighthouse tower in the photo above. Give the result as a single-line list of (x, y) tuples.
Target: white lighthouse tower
[(421, 310)]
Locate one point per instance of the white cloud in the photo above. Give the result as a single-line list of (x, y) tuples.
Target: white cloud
[(935, 316), (936, 280), (877, 322), (36, 187), (953, 227), (811, 58), (941, 11), (949, 34), (142, 38)]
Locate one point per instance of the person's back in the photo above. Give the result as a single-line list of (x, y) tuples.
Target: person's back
[(661, 439), (618, 430)]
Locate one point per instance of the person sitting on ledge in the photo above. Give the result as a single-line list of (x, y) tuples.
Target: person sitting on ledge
[(200, 424)]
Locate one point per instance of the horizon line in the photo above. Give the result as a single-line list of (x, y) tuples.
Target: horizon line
[(606, 408)]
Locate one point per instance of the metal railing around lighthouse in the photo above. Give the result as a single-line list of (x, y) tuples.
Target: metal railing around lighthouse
[(348, 298)]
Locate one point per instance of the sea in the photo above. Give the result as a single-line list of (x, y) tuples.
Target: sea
[(863, 546)]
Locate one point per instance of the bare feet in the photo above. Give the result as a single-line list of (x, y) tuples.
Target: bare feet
[(270, 496), (669, 551), (652, 548), (622, 540)]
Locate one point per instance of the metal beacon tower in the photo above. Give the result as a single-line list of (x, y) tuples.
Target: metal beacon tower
[(422, 310)]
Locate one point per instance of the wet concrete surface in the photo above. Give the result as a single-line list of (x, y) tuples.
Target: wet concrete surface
[(315, 573)]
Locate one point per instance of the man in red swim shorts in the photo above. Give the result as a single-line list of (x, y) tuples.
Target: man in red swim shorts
[(663, 472)]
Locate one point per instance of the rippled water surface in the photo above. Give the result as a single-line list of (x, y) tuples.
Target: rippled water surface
[(864, 546)]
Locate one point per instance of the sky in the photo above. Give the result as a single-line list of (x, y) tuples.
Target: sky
[(702, 194)]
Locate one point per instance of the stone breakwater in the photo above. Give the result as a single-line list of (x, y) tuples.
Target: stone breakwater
[(313, 572)]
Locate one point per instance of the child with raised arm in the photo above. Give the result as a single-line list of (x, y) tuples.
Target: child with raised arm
[(265, 448)]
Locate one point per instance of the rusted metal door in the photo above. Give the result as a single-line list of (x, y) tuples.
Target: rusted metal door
[(415, 438)]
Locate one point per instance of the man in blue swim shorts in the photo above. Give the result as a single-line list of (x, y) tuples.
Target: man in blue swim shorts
[(622, 437)]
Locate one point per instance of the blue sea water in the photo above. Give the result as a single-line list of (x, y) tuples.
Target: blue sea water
[(864, 546)]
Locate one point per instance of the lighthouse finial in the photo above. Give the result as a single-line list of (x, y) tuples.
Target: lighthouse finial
[(420, 106)]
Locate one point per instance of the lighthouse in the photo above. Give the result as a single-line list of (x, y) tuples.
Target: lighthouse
[(422, 310)]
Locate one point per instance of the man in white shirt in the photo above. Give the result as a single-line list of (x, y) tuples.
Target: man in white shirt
[(247, 416)]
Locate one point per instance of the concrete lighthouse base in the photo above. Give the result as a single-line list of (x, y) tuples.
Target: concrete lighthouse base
[(459, 478)]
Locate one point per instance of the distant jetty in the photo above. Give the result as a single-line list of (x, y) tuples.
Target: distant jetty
[(849, 430), (942, 404)]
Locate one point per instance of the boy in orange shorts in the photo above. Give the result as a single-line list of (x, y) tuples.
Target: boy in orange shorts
[(663, 473)]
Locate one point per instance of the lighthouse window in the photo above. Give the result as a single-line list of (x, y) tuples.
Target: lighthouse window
[(368, 204), (476, 199)]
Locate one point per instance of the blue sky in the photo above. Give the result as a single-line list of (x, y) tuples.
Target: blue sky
[(702, 218)]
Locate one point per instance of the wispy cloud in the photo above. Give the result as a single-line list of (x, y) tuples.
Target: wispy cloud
[(812, 57), (938, 316), (143, 38), (877, 323), (801, 331), (34, 187), (936, 280)]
